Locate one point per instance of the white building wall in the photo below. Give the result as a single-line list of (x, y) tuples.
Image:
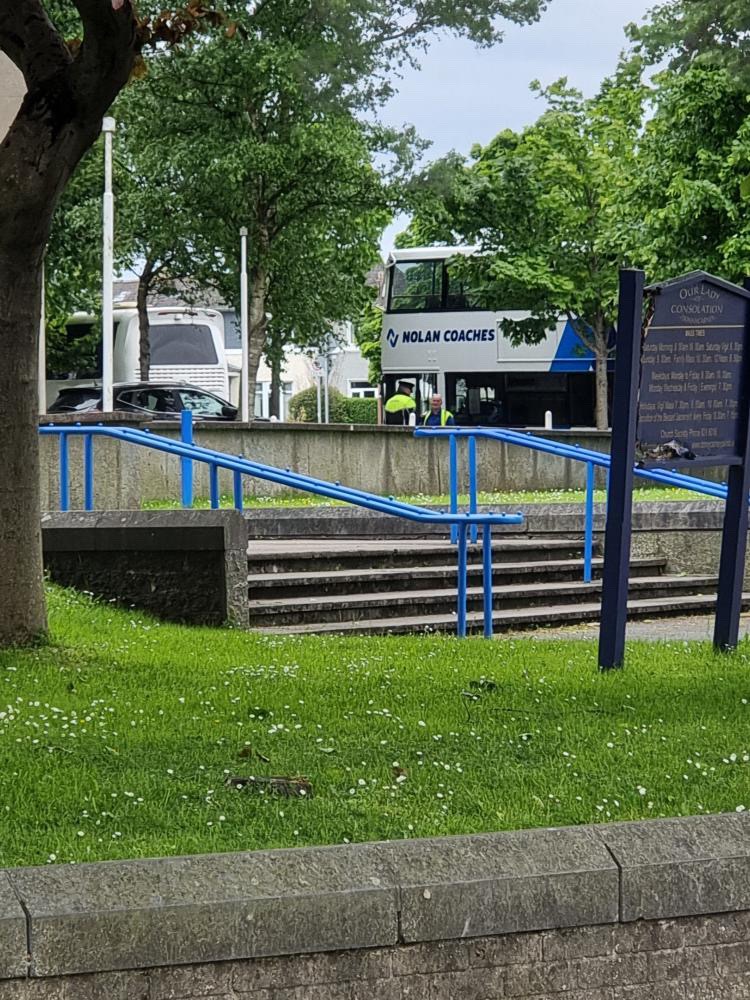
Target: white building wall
[(12, 89)]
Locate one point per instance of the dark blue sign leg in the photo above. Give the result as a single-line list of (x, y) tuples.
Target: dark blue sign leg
[(620, 497), (732, 564), (734, 536)]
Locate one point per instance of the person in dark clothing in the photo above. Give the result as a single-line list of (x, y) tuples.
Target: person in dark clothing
[(400, 405), (438, 417)]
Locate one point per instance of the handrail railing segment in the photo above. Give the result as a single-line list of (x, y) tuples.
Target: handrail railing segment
[(188, 452), (575, 453)]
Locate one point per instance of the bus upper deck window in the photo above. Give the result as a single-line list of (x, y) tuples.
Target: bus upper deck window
[(416, 285), (460, 296)]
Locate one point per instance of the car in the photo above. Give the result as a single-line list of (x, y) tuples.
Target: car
[(155, 400)]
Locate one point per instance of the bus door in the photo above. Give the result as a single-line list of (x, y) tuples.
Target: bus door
[(424, 386)]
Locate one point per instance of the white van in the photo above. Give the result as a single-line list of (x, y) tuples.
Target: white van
[(187, 345)]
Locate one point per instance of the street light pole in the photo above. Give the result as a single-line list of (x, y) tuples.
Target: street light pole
[(108, 128), (244, 331)]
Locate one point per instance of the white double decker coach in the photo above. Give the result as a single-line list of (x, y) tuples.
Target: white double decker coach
[(437, 336)]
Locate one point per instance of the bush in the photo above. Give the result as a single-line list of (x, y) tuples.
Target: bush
[(303, 408), (361, 411)]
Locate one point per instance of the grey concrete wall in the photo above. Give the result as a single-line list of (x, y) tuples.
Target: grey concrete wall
[(380, 460), (186, 566), (377, 459), (656, 910)]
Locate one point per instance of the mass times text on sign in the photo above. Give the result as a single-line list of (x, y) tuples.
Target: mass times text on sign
[(691, 371)]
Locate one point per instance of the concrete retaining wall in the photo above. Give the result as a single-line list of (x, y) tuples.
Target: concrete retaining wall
[(654, 910), (686, 533), (188, 566), (385, 460)]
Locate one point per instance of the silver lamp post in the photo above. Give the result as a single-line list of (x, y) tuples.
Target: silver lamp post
[(108, 128), (244, 330)]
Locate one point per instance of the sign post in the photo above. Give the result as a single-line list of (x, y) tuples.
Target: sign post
[(682, 399), (620, 498), (734, 536)]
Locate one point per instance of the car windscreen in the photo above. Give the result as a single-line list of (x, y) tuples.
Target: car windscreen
[(182, 344), (75, 399)]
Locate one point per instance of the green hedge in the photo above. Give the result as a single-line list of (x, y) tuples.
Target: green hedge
[(303, 408), (362, 411)]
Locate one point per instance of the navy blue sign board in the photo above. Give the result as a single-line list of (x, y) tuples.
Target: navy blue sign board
[(681, 398)]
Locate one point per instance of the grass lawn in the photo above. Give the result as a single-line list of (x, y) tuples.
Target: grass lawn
[(118, 738), (507, 499)]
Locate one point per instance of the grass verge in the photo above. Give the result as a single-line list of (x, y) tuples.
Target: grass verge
[(507, 499), (117, 738)]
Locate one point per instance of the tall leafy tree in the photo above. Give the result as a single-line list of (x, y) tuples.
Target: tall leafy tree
[(689, 192), (546, 207), (250, 144), (704, 32)]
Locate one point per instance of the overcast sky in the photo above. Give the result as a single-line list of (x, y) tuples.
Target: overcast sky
[(462, 95)]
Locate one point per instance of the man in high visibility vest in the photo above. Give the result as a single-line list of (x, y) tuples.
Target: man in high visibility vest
[(438, 417)]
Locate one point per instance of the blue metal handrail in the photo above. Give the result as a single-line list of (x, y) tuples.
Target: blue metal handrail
[(188, 452), (575, 453)]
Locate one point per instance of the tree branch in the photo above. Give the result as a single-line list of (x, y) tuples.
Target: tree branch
[(29, 39), (105, 61)]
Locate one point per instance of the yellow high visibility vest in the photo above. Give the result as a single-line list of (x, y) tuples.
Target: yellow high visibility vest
[(444, 415)]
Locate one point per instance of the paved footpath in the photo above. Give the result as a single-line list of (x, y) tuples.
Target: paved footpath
[(696, 628)]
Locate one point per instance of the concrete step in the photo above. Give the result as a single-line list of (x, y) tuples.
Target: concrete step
[(358, 581), (416, 603), (332, 554), (512, 619)]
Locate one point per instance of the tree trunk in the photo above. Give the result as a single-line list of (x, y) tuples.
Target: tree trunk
[(23, 617), (602, 383), (144, 327), (60, 119), (257, 329)]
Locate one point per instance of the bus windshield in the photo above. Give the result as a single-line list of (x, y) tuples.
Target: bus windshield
[(428, 286), (182, 344)]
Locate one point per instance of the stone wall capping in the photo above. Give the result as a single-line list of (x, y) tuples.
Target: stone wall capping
[(682, 866), (503, 883), (13, 941), (415, 896), (137, 914)]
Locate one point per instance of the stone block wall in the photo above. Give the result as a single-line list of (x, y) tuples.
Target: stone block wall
[(185, 566), (655, 910)]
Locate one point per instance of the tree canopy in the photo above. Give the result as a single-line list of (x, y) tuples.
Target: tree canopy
[(547, 209), (686, 32)]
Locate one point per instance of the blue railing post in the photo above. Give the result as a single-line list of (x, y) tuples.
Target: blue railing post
[(186, 466), (238, 490), (453, 441), (473, 483), (487, 579), (462, 560), (64, 473), (213, 485), (588, 546), (88, 472)]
